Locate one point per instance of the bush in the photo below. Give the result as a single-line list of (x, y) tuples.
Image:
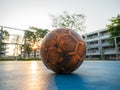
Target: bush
[(20, 59)]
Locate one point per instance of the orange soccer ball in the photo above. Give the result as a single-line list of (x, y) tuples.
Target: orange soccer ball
[(62, 50)]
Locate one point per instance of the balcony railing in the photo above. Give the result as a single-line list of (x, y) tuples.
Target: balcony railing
[(107, 44), (93, 45), (110, 51), (93, 53), (104, 36), (92, 39)]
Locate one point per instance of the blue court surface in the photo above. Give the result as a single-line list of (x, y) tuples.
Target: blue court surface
[(33, 75)]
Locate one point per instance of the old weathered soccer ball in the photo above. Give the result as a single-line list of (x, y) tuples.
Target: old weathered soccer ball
[(62, 50)]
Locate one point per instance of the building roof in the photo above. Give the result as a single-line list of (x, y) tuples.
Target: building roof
[(95, 31)]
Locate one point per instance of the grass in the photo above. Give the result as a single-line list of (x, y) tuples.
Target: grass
[(38, 59), (20, 59)]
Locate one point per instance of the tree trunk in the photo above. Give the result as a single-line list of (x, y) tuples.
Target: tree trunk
[(34, 53), (1, 40)]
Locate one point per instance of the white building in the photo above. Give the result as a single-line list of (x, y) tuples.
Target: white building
[(37, 54), (4, 50), (98, 45), (32, 54), (2, 46)]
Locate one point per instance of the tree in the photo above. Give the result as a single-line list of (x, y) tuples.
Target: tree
[(17, 40), (4, 35), (65, 20), (28, 49), (33, 38), (114, 29)]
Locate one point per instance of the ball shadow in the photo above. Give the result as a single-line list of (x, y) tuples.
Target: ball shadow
[(69, 81)]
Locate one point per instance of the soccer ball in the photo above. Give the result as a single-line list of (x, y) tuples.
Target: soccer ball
[(62, 50)]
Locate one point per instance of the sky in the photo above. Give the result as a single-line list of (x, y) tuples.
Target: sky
[(24, 13)]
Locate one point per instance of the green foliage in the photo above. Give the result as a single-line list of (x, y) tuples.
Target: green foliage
[(74, 21), (20, 59), (40, 33), (114, 29), (6, 59), (36, 34), (28, 49), (33, 37), (5, 35)]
